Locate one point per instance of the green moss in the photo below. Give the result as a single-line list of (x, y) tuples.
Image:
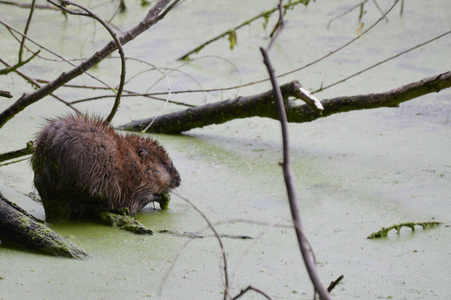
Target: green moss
[(164, 200), (384, 231), (124, 221)]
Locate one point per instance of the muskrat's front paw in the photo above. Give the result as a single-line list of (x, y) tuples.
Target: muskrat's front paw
[(124, 211), (164, 199)]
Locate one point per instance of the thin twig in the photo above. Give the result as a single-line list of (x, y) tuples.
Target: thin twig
[(201, 231), (295, 70), (33, 3), (255, 241), (35, 83), (279, 27), (381, 62), (198, 235), (133, 93), (27, 99), (167, 10), (18, 65), (251, 288), (14, 161), (333, 284), (345, 12), (221, 245), (118, 44), (27, 5), (380, 10), (12, 29), (265, 14), (304, 245), (342, 47), (288, 174)]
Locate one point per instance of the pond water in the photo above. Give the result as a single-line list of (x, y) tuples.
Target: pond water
[(355, 172)]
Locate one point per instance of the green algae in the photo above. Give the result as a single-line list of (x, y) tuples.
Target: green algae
[(384, 231)]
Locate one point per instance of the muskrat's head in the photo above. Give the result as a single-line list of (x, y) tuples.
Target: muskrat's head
[(156, 162)]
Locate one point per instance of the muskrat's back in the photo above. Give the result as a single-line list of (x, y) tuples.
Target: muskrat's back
[(83, 167)]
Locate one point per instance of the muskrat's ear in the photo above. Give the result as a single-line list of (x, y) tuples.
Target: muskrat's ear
[(143, 153)]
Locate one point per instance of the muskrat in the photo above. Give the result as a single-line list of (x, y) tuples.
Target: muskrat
[(82, 167)]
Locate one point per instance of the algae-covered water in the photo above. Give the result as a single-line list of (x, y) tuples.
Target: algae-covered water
[(355, 172)]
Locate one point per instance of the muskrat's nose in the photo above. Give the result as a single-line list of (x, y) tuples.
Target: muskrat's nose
[(176, 181)]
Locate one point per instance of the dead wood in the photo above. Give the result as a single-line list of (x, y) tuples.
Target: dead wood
[(20, 228), (29, 149), (263, 105)]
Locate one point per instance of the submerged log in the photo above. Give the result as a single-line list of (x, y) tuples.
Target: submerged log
[(20, 228)]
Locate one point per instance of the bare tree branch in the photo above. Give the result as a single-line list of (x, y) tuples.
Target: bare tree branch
[(304, 245), (13, 30), (30, 16), (35, 83), (263, 105), (18, 65), (26, 5), (382, 62), (118, 44), (152, 17), (265, 14), (318, 59)]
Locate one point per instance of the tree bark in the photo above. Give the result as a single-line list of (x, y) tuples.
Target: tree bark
[(20, 228), (263, 105)]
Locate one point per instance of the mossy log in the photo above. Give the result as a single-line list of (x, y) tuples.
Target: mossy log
[(124, 221), (20, 228)]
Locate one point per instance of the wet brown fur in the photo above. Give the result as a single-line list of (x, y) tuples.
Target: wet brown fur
[(83, 167)]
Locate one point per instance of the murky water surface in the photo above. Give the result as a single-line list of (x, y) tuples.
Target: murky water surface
[(355, 172)]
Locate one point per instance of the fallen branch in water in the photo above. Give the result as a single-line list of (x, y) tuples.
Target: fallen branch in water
[(18, 153), (263, 105), (333, 284), (124, 221), (384, 231), (196, 235), (5, 94), (20, 228)]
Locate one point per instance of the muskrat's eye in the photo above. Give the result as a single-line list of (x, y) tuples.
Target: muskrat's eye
[(168, 167), (143, 153)]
